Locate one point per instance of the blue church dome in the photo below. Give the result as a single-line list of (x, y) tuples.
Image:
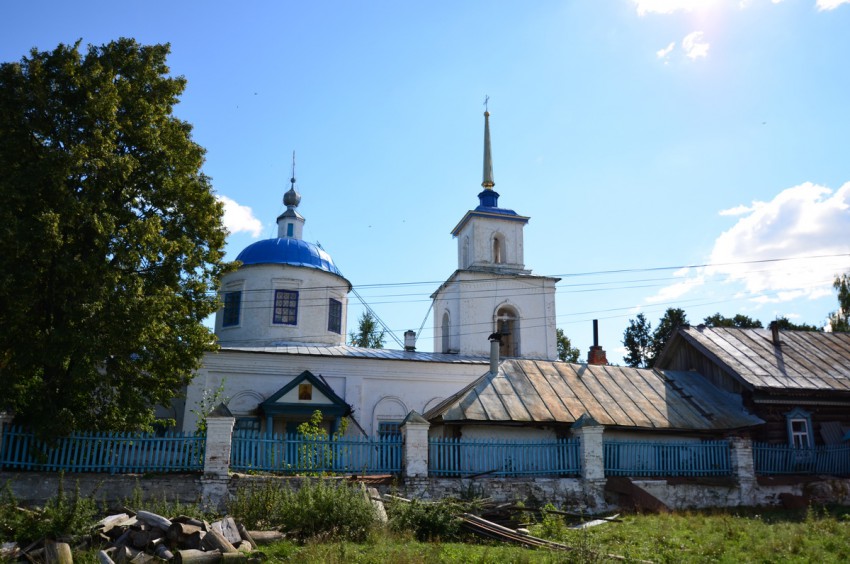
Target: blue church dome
[(295, 252)]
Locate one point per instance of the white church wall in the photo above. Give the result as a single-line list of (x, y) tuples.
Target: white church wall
[(362, 382), (258, 284)]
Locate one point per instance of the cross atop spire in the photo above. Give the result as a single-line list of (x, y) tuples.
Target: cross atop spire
[(487, 183)]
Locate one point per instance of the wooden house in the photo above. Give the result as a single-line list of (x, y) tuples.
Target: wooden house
[(798, 382)]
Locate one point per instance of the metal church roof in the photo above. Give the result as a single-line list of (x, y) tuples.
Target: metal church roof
[(538, 391), (296, 252)]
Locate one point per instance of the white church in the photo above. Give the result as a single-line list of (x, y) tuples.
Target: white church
[(282, 328)]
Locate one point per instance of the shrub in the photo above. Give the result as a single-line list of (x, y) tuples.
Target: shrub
[(319, 508), (61, 516), (426, 521)]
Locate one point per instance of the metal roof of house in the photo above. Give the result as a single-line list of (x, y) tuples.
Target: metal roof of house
[(803, 360), (539, 391), (345, 351)]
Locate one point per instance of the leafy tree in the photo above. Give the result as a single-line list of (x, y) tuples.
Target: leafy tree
[(786, 325), (637, 339), (840, 319), (111, 235), (739, 321), (566, 351), (673, 318), (367, 335)]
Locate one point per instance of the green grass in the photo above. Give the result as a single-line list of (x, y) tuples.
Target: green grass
[(331, 522)]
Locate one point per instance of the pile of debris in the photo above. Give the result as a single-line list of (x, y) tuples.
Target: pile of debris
[(144, 537)]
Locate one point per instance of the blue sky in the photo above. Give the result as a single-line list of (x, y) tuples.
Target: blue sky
[(640, 136)]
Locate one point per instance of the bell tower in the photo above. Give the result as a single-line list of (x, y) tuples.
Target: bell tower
[(492, 291)]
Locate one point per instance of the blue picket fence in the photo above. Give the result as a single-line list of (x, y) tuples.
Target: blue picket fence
[(472, 457), (637, 458), (103, 452), (304, 454), (784, 459)]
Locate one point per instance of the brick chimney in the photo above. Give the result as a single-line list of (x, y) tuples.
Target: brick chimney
[(596, 354)]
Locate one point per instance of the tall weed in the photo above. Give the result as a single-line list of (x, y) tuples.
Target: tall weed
[(317, 509)]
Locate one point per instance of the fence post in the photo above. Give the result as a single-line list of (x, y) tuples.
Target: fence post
[(743, 468), (414, 436), (592, 453), (215, 480)]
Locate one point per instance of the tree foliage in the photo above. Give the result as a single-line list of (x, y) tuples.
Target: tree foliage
[(839, 320), (785, 324), (367, 335), (566, 351), (673, 318), (111, 235), (738, 321), (637, 338), (643, 345)]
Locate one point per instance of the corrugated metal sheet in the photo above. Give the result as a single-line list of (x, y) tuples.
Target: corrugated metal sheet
[(803, 360), (356, 352), (539, 391)]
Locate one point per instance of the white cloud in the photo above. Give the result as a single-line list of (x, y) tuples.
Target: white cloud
[(737, 210), (662, 53), (694, 45), (826, 5), (238, 218), (804, 221), (809, 224)]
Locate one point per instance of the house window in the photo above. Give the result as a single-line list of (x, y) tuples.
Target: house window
[(246, 424), (232, 305), (389, 430), (799, 428), (289, 229), (285, 307), (334, 316), (305, 392)]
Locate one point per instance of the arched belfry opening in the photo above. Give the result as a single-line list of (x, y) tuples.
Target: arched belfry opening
[(498, 249), (507, 324), (445, 333)]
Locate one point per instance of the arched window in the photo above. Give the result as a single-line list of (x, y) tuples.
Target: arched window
[(445, 332), (507, 323), (498, 249)]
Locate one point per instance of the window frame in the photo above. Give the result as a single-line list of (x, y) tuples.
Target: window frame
[(285, 312), (231, 298), (797, 437), (335, 316)]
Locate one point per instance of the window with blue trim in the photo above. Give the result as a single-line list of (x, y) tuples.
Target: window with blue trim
[(285, 307), (246, 424), (799, 424), (389, 430), (232, 307), (334, 315)]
